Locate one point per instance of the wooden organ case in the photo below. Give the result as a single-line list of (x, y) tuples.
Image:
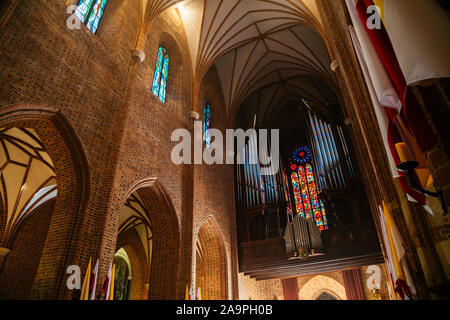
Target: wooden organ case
[(272, 235)]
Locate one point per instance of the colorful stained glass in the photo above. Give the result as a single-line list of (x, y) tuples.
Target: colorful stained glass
[(305, 194), (161, 73), (83, 9), (304, 186), (297, 193), (206, 124), (96, 15), (316, 204)]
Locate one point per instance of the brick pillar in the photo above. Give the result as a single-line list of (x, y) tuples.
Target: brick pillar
[(107, 244)]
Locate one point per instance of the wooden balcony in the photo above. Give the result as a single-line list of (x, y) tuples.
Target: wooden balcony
[(346, 247)]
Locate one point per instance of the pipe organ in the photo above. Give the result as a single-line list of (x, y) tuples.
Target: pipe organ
[(311, 214), (254, 188), (262, 200), (302, 238)]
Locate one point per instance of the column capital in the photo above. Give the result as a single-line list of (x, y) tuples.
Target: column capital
[(138, 53), (194, 115), (334, 65)]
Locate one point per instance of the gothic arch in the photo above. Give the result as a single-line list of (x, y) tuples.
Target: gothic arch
[(320, 284), (327, 292), (211, 272), (166, 238), (140, 271), (71, 169)]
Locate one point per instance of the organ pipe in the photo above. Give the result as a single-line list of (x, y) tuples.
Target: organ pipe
[(252, 186), (302, 238), (332, 157)]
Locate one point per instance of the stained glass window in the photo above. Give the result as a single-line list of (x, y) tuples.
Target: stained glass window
[(301, 155), (91, 11), (161, 74), (307, 202), (206, 124)]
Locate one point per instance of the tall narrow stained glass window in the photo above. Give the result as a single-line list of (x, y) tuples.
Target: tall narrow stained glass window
[(161, 73), (307, 202), (206, 124), (91, 12)]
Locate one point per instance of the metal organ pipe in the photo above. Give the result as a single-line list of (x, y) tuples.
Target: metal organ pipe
[(346, 151), (249, 181), (334, 154), (333, 161), (330, 154), (320, 152), (316, 165), (327, 156), (254, 173)]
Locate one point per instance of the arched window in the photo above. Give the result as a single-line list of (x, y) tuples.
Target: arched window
[(161, 73), (91, 12), (307, 202), (206, 124)]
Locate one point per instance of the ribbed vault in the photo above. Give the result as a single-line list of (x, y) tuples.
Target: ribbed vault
[(276, 47), (134, 215), (27, 178)]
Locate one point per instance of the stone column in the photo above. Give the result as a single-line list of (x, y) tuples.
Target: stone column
[(421, 257)]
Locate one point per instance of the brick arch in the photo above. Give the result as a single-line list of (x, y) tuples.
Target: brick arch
[(166, 239), (71, 169), (131, 243), (211, 272)]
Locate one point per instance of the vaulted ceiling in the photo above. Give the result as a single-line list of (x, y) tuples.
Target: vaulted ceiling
[(27, 178), (271, 49)]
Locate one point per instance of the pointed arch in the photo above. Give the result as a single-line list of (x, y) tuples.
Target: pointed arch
[(320, 284), (211, 273), (71, 168), (166, 238)]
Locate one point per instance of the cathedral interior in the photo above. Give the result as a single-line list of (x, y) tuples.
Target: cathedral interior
[(350, 98)]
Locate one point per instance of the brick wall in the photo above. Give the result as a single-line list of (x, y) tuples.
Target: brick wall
[(79, 74), (250, 289), (84, 76), (207, 202)]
